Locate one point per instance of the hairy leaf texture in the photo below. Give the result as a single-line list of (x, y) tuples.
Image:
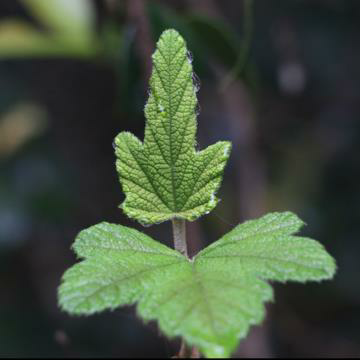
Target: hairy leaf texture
[(164, 177), (210, 300)]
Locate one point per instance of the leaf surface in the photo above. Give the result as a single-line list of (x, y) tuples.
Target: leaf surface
[(267, 248), (210, 300), (165, 177)]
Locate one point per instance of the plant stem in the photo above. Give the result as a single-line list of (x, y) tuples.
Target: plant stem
[(195, 354), (183, 353), (187, 352), (179, 231)]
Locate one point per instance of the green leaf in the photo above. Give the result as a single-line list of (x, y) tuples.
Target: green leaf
[(119, 260), (165, 177), (210, 300), (266, 248)]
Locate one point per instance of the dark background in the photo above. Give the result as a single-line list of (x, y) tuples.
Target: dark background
[(279, 78)]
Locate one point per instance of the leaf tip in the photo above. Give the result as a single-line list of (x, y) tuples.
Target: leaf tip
[(170, 33)]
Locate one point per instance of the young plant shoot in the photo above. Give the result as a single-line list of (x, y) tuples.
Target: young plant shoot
[(211, 300)]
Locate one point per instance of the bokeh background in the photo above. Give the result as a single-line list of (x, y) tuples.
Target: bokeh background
[(279, 78)]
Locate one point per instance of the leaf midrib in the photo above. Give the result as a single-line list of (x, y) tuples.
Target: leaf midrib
[(170, 113)]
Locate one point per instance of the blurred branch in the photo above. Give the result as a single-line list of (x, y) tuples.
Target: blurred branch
[(144, 43), (244, 51), (250, 172)]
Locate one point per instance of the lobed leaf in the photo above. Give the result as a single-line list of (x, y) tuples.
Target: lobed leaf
[(210, 300), (165, 177)]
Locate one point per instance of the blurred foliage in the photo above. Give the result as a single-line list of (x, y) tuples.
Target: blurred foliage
[(69, 30)]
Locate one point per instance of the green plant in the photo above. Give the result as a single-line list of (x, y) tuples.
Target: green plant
[(213, 298)]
